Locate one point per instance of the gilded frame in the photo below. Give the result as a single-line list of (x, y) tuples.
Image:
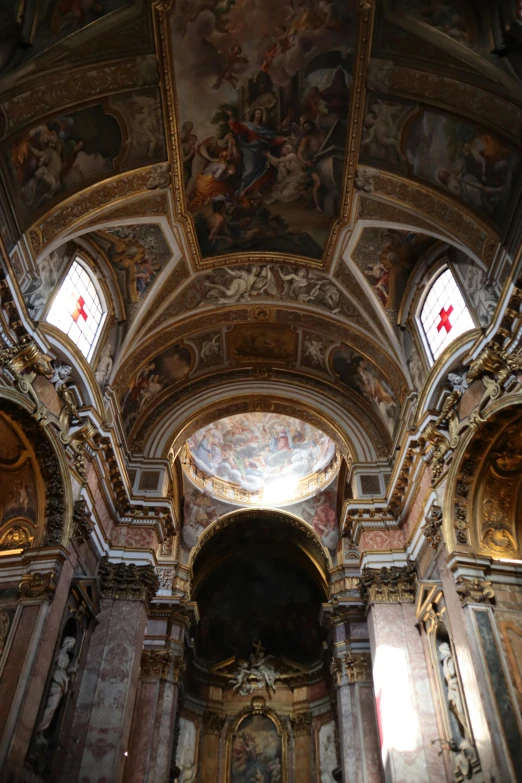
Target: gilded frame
[(257, 707)]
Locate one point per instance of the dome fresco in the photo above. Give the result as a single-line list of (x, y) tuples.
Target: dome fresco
[(270, 456)]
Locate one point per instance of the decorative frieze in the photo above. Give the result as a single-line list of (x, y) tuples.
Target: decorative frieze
[(301, 724), (388, 585), (82, 522), (432, 529), (156, 663), (37, 585), (475, 590), (127, 582)]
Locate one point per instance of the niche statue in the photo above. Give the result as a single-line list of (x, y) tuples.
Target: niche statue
[(60, 681)]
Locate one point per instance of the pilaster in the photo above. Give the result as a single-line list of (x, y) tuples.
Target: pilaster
[(42, 597), (153, 722), (351, 670), (405, 709), (470, 595), (102, 720)]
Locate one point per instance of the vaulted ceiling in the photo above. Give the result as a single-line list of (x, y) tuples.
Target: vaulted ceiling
[(260, 186)]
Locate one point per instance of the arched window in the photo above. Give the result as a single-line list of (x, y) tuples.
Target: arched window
[(78, 309), (444, 315)]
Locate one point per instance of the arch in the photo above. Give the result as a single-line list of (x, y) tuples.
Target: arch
[(306, 539), (53, 468), (477, 516), (188, 415)]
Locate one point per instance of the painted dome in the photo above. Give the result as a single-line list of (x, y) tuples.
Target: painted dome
[(260, 457)]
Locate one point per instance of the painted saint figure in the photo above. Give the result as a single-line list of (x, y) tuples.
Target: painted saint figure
[(254, 140)]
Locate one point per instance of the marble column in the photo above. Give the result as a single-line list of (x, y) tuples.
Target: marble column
[(406, 714), (42, 599), (99, 736), (357, 725), (152, 734)]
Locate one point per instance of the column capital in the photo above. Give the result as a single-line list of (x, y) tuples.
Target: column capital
[(475, 590), (156, 663), (358, 667), (388, 585), (301, 724), (213, 722), (127, 582), (349, 668)]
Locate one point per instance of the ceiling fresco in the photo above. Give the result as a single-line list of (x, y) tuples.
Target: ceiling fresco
[(56, 158), (386, 257), (263, 121), (259, 208), (273, 458), (138, 253)]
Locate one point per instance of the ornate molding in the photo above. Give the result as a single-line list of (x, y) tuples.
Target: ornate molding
[(156, 663), (82, 522), (127, 582), (475, 590), (213, 722), (301, 724), (37, 585), (388, 585), (434, 87), (432, 528), (97, 197), (70, 87)]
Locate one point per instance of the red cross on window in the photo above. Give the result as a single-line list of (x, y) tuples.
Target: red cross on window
[(444, 319), (79, 311)]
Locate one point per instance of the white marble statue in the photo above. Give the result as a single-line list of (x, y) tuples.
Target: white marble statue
[(454, 697), (59, 683), (104, 368)]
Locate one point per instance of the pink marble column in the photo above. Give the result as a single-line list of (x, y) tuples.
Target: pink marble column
[(43, 596), (152, 734), (352, 671), (99, 736), (405, 709), (356, 720)]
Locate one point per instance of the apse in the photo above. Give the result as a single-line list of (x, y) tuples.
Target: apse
[(254, 584)]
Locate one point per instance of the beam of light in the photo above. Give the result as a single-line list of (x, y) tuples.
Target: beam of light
[(280, 490), (396, 715)]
